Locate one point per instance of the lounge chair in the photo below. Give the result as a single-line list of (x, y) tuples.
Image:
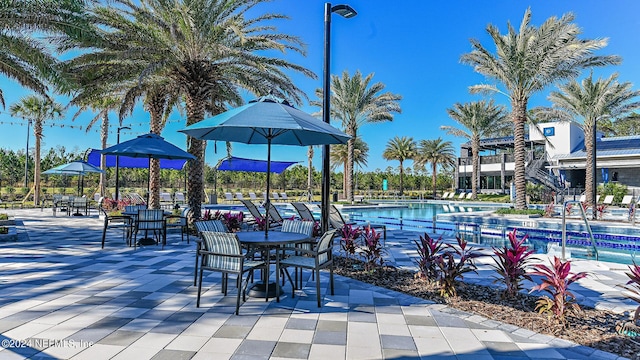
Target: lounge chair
[(179, 198), (165, 197), (274, 215), (228, 197), (626, 200), (252, 196), (462, 195), (452, 194), (303, 211), (608, 200), (469, 196), (336, 221), (284, 196), (239, 196), (445, 195), (597, 199), (275, 196), (583, 198), (253, 210)]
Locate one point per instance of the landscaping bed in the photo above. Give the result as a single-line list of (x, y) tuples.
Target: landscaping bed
[(590, 327)]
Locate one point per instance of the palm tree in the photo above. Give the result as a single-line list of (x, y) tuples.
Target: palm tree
[(526, 61), (340, 156), (355, 101), (479, 119), (435, 152), (102, 106), (207, 49), (37, 109), (589, 103), (401, 149)]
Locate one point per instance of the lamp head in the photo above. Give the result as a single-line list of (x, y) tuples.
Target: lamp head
[(344, 11), (124, 128)]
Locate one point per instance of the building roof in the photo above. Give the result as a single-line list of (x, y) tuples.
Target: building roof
[(608, 147), (505, 142)]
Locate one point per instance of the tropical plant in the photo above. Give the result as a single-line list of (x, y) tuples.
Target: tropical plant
[(354, 102), (633, 286), (429, 251), (207, 50), (511, 263), (38, 110), (371, 249), (555, 281), (591, 102), (481, 119), (437, 153), (527, 60), (401, 149), (348, 242), (454, 262)]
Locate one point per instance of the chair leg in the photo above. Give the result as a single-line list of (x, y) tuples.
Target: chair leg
[(331, 278), (195, 271), (239, 286), (199, 288), (104, 234), (317, 271)]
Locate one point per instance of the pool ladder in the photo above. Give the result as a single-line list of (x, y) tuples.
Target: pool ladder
[(586, 223)]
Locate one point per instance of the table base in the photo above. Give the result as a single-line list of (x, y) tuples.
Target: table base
[(258, 290), (147, 241)]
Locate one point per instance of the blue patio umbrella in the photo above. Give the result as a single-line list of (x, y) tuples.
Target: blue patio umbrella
[(74, 168), (267, 120), (150, 146)]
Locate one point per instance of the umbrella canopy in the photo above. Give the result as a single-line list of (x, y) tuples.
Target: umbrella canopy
[(77, 167), (74, 168), (267, 120), (150, 146)]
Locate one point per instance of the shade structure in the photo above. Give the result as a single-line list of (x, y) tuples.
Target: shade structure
[(150, 146), (74, 168), (252, 165), (134, 163), (267, 120)]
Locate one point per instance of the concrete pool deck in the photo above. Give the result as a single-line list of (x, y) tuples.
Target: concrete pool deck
[(64, 297)]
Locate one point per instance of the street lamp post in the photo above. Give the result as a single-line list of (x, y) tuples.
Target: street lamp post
[(118, 160), (345, 11)]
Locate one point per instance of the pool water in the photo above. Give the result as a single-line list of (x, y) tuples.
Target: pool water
[(612, 246)]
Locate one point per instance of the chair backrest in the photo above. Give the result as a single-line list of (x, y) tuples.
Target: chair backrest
[(210, 225), (298, 226), (324, 247), (626, 200), (79, 201), (227, 251), (178, 197), (228, 196), (165, 197), (275, 196), (150, 219), (253, 210), (462, 195), (469, 195), (284, 196), (335, 218), (239, 196), (608, 200), (303, 211), (252, 196), (452, 194), (274, 214), (583, 198)]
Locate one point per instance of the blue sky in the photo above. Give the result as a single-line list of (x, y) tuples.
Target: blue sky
[(412, 46)]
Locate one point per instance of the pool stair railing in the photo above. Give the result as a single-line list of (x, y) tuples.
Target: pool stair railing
[(586, 223)]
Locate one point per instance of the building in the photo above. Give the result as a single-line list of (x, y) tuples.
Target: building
[(555, 158)]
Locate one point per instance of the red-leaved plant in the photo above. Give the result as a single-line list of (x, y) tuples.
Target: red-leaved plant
[(549, 210), (453, 264), (567, 208), (511, 263), (633, 287), (600, 210), (233, 221), (372, 249), (348, 243), (429, 251), (555, 281)]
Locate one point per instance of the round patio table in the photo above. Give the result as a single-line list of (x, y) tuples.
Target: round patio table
[(274, 240)]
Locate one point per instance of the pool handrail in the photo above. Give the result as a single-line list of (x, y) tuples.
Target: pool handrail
[(586, 223)]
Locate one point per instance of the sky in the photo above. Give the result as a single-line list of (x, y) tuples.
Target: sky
[(411, 46)]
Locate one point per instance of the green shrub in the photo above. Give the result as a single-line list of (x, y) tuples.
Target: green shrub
[(617, 190)]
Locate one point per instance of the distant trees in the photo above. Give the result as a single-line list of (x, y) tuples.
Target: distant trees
[(401, 149)]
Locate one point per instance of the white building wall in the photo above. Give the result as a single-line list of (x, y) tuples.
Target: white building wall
[(562, 137)]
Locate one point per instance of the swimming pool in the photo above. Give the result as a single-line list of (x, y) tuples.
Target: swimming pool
[(619, 244)]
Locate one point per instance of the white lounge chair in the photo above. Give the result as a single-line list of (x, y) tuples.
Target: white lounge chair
[(626, 200), (598, 199), (239, 196), (283, 196), (452, 194), (165, 197), (178, 197), (275, 196), (462, 195), (469, 195), (228, 197), (608, 200), (252, 196), (445, 195), (583, 198)]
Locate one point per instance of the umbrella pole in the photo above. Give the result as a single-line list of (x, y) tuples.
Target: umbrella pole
[(268, 202), (149, 182)]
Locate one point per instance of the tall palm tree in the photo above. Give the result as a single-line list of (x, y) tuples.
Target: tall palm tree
[(479, 119), (37, 109), (435, 152), (526, 61), (340, 156), (355, 101), (206, 49), (102, 106), (589, 102), (401, 149)]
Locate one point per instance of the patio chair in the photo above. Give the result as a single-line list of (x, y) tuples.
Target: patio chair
[(79, 206), (274, 216), (239, 196), (321, 257), (178, 197), (303, 211), (253, 209), (300, 227), (222, 253), (114, 221), (151, 220), (201, 226), (336, 221), (179, 221), (608, 200)]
